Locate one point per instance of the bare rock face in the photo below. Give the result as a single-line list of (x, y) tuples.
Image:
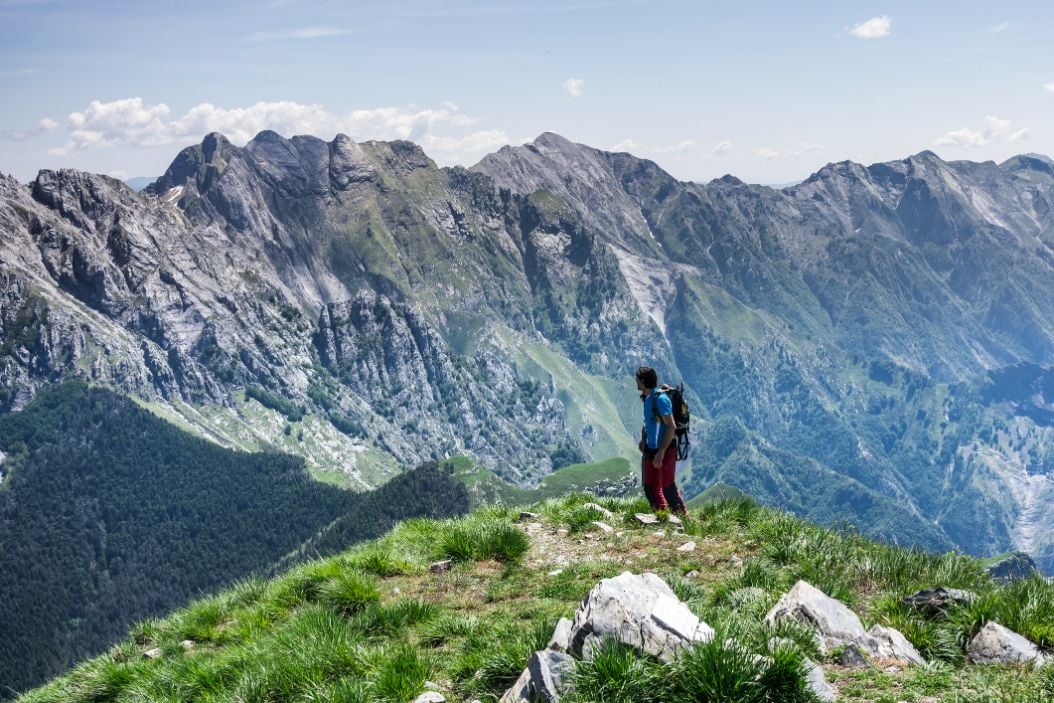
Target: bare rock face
[(837, 625), (561, 639), (546, 678), (936, 602), (640, 611), (996, 644), (894, 645), (1014, 567)]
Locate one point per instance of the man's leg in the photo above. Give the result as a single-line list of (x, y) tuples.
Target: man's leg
[(652, 480), (649, 491), (670, 492)]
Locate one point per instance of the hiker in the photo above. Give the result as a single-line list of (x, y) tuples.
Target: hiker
[(658, 452)]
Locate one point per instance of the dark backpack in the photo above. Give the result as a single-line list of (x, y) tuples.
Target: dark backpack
[(682, 418)]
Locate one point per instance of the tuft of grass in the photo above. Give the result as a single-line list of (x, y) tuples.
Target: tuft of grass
[(475, 539), (348, 592), (390, 620), (492, 660), (401, 675), (379, 560), (728, 672), (617, 674)]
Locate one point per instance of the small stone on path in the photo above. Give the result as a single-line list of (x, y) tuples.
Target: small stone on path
[(430, 697), (687, 547), (441, 566)]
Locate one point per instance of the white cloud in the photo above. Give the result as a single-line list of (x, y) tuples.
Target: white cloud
[(964, 137), (575, 86), (1049, 86), (304, 33), (17, 135), (118, 173), (798, 149), (874, 28), (130, 122), (626, 144), (17, 72), (678, 148), (995, 129), (722, 147), (1001, 27), (1020, 135)]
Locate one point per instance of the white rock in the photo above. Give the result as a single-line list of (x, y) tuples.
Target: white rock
[(430, 697), (561, 639), (546, 678), (817, 681), (602, 526), (894, 645), (550, 675), (646, 518), (687, 547), (152, 653), (836, 624), (996, 644), (640, 611), (520, 692)]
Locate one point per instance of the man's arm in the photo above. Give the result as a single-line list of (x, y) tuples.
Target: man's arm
[(667, 438)]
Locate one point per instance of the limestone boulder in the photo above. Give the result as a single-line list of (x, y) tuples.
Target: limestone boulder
[(546, 678), (892, 644), (561, 639), (639, 610), (996, 644), (835, 623)]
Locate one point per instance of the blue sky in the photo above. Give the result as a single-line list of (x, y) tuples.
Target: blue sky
[(767, 91)]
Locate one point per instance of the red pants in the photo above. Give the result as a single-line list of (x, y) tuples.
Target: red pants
[(660, 485)]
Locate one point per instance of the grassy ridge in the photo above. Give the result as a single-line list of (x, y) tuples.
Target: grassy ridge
[(487, 488), (373, 624)]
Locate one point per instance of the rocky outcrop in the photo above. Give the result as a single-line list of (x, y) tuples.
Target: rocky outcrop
[(1013, 567), (894, 645), (995, 644), (936, 602), (836, 625), (546, 678), (637, 610)]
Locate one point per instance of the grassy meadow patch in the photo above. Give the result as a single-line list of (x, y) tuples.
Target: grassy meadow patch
[(374, 623)]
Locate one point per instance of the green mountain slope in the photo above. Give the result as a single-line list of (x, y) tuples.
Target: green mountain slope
[(375, 623), (109, 514)]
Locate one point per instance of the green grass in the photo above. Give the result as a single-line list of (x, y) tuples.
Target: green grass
[(487, 488), (373, 624)]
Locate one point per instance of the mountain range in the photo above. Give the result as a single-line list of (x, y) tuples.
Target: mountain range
[(871, 345)]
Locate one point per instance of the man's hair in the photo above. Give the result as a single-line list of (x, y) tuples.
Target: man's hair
[(647, 376)]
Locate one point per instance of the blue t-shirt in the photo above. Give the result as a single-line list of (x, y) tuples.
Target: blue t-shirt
[(653, 427)]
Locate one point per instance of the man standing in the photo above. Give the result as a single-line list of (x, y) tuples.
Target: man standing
[(658, 460)]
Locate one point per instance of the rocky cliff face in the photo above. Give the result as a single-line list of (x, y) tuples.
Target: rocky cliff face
[(842, 329)]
